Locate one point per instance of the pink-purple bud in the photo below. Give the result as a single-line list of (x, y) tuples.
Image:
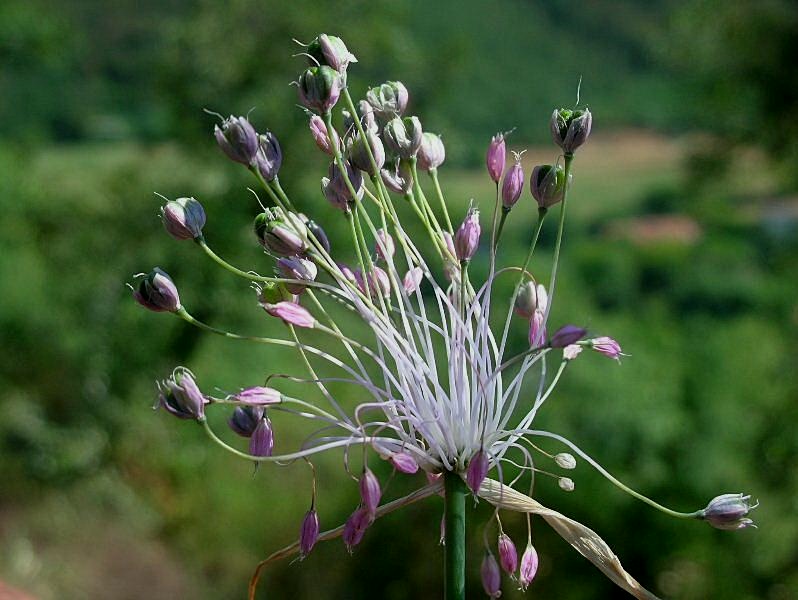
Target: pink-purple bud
[(377, 281), (308, 533), (180, 396), (337, 191), (567, 335), (157, 292), (261, 443), (291, 313), (245, 419), (280, 234), (432, 152), (183, 218), (331, 50), (529, 566), (570, 128), (295, 267), (319, 88), (729, 511), (237, 139), (258, 396), (491, 576), (508, 555), (319, 132), (384, 246), (530, 297), (398, 179), (477, 470), (466, 239), (607, 346), (496, 157), (370, 492), (357, 151), (269, 157), (547, 184), (404, 463), (413, 279), (403, 136), (537, 329), (513, 185), (388, 100), (355, 527)]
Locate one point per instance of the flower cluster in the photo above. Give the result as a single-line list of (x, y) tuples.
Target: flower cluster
[(440, 391)]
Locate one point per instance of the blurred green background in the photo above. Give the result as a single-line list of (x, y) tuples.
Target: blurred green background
[(681, 243)]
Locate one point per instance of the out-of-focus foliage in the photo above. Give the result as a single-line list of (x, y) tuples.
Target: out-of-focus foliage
[(101, 497)]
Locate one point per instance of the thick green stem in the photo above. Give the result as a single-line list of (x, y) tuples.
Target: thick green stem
[(455, 527)]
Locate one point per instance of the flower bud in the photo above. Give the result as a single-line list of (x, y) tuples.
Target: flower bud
[(565, 460), (530, 297), (367, 119), (335, 188), (355, 527), (567, 335), (245, 419), (513, 185), (319, 132), (308, 533), (291, 313), (158, 292), (477, 470), (403, 136), (331, 51), (466, 239), (183, 218), (319, 88), (272, 293), (566, 484), (388, 100), (281, 234), (413, 279), (261, 443), (295, 267), (399, 179), (432, 152), (496, 157), (529, 567), (378, 282), (547, 184), (180, 396), (358, 153), (348, 273), (571, 352), (404, 463), (316, 231), (491, 576), (385, 247), (607, 346), (728, 511), (508, 555), (237, 139), (258, 396), (269, 156), (370, 492), (570, 128)]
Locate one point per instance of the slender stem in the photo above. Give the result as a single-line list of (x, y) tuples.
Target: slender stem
[(434, 174), (223, 263), (502, 219), (568, 160), (454, 535)]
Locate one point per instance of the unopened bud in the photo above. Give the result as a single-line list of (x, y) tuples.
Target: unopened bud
[(571, 352), (432, 152), (413, 279), (157, 292), (358, 152), (269, 157), (404, 463), (529, 567), (297, 268), (513, 185), (565, 460), (547, 185), (183, 218), (337, 191), (385, 246), (530, 297), (261, 443), (566, 484), (567, 335), (370, 492), (607, 346), (331, 51), (258, 396), (245, 420), (466, 239), (388, 100), (319, 88), (321, 236), (491, 576), (729, 511), (291, 313), (308, 533), (496, 157), (537, 329), (367, 119), (399, 179), (281, 234), (237, 139), (570, 128), (319, 132), (180, 396), (355, 527), (477, 470), (403, 136), (508, 555)]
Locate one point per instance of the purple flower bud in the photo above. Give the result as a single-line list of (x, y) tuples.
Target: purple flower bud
[(537, 329), (245, 419), (157, 291), (308, 533), (319, 132), (331, 51), (370, 492), (281, 234), (399, 179), (403, 136), (321, 236), (432, 152), (570, 128), (237, 139), (358, 153), (295, 267), (496, 157), (388, 100), (335, 189), (565, 460), (378, 282), (413, 279), (291, 313), (477, 470), (508, 555), (571, 352), (348, 273), (385, 247), (261, 443), (404, 463), (466, 239), (728, 511), (530, 297), (319, 88), (183, 218), (491, 576), (567, 335), (269, 157), (529, 566), (355, 527), (547, 185), (513, 185), (180, 396), (607, 346), (258, 396)]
